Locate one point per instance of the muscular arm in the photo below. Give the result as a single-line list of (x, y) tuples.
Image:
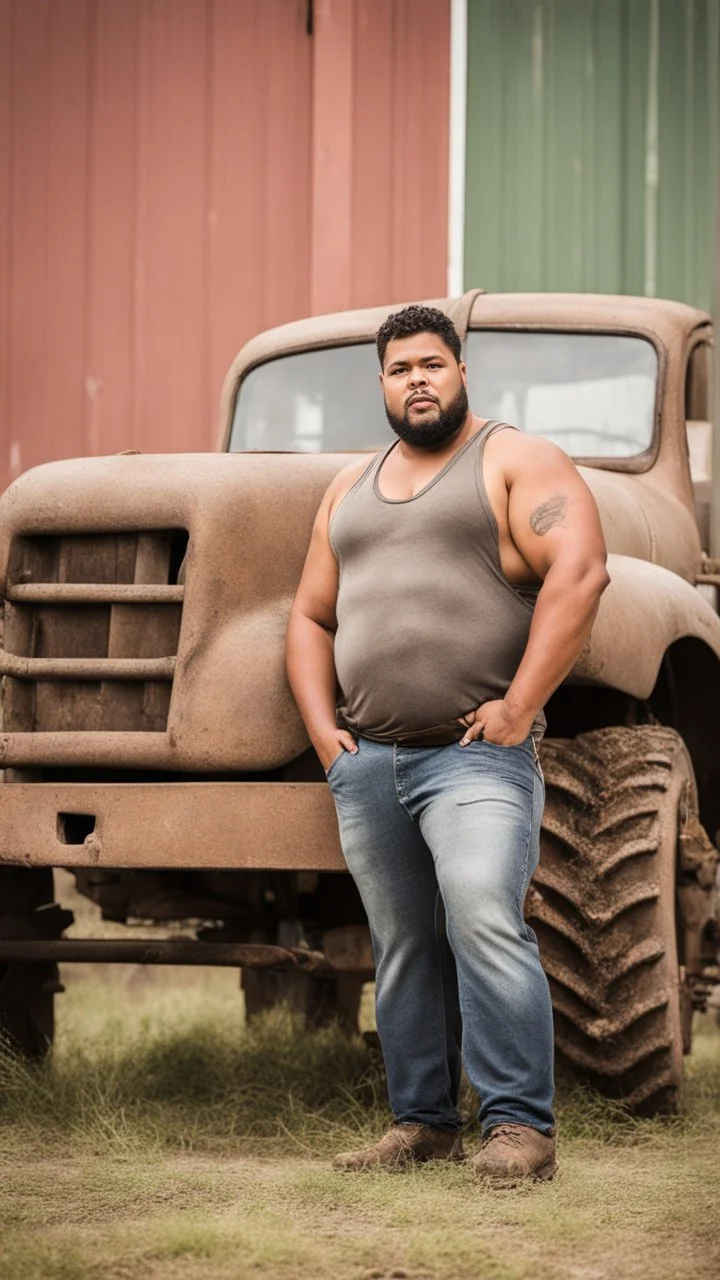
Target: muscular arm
[(311, 634), (555, 526)]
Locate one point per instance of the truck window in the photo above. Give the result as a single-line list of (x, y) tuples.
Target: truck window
[(593, 394), (318, 401)]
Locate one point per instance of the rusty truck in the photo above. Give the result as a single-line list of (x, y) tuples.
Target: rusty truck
[(150, 742)]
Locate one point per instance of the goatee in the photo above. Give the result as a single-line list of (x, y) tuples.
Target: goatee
[(434, 434)]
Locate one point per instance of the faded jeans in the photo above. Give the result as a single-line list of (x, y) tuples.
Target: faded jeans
[(442, 843)]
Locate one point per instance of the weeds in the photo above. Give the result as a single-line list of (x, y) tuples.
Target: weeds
[(192, 1077), (163, 1140), (192, 1083)]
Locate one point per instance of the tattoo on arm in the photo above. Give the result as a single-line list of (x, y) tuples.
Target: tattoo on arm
[(549, 514)]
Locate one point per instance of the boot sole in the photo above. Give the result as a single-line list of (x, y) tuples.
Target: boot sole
[(508, 1182)]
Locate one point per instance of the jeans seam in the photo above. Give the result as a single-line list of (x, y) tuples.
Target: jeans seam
[(443, 1024), (526, 859)]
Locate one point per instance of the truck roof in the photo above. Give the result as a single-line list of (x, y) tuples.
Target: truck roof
[(664, 322), (566, 310)]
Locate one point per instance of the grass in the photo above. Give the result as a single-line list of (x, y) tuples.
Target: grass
[(173, 1067), (167, 1141)]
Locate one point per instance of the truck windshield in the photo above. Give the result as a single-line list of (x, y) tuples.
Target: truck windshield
[(591, 393)]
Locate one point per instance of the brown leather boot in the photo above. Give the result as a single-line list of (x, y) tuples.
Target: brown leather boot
[(512, 1152), (402, 1145)]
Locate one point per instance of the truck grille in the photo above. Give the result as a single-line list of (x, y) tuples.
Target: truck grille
[(91, 631)]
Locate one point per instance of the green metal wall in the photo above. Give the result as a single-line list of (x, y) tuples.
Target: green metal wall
[(592, 141)]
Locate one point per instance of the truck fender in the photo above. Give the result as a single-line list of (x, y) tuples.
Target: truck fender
[(645, 609)]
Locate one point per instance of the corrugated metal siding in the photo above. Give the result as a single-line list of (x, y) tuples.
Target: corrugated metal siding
[(566, 187), (158, 212), (170, 171), (401, 74)]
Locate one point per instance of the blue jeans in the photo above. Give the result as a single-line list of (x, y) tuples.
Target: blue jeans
[(442, 843)]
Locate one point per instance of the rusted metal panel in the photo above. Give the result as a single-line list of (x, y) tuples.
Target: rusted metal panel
[(229, 683), (229, 690), (283, 826), (157, 206)]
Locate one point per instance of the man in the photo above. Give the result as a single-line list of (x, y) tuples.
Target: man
[(449, 587)]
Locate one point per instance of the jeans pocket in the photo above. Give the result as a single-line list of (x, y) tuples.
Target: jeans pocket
[(331, 767), (508, 746), (536, 760)]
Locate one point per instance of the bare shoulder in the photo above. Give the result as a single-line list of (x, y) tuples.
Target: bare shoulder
[(345, 479), (520, 454)]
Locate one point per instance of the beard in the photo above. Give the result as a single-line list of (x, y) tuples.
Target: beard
[(436, 433)]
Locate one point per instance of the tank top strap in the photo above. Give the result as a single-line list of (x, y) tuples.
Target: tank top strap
[(491, 426)]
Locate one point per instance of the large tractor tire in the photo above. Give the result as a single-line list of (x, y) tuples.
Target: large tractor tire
[(27, 991), (603, 905)]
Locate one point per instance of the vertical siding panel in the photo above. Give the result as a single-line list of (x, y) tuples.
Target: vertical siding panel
[(380, 150), (701, 229), (636, 21), (569, 161), (484, 195), (29, 212), (172, 406), (709, 145), (6, 243), (421, 84), (687, 160), (159, 209), (259, 167), (332, 165), (589, 267), (672, 196), (111, 229), (67, 227), (517, 87), (286, 95), (374, 129), (608, 143), (399, 142), (237, 244), (567, 87)]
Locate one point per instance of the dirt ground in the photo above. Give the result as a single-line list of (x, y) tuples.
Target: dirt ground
[(608, 1215), (166, 1143)]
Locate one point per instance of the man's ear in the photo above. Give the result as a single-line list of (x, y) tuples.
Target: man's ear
[(463, 371)]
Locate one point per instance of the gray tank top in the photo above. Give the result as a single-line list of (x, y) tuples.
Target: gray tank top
[(428, 625)]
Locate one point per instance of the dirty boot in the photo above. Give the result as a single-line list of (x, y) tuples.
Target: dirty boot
[(513, 1152), (402, 1145)]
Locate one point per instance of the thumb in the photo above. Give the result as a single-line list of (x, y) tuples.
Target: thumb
[(347, 742), (472, 734)]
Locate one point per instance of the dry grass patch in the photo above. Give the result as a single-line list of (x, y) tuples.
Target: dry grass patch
[(165, 1141)]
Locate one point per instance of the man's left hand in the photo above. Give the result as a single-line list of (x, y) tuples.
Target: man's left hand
[(494, 722)]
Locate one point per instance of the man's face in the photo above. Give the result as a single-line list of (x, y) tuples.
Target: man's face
[(425, 390)]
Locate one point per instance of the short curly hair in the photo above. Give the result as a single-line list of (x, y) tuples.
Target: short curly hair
[(418, 319)]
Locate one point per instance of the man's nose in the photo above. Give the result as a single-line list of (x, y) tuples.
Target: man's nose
[(418, 377)]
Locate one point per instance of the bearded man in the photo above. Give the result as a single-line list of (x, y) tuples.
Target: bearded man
[(449, 588)]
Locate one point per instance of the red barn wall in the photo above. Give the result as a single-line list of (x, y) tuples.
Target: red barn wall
[(176, 175)]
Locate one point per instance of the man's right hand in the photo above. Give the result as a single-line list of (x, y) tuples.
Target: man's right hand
[(331, 747)]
